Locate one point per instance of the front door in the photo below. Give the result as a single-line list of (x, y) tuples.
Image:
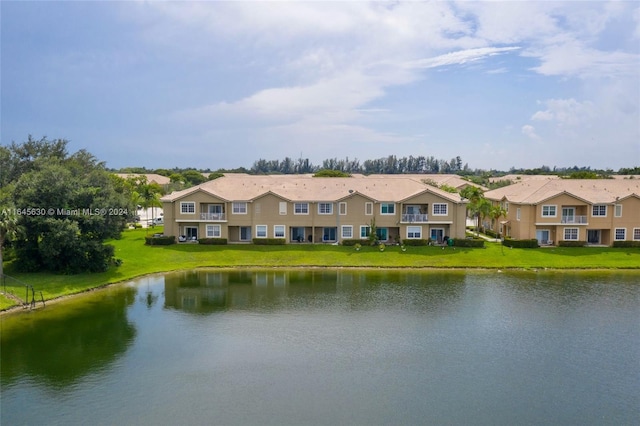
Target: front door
[(593, 236)]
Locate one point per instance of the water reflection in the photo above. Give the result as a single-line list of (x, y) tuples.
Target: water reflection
[(214, 291), (58, 346)]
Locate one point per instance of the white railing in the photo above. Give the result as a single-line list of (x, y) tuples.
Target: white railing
[(414, 218), (213, 216), (574, 219)]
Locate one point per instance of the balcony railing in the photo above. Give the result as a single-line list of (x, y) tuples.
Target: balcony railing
[(414, 218), (213, 216), (574, 219)]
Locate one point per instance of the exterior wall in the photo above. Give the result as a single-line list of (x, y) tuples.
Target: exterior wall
[(271, 210)]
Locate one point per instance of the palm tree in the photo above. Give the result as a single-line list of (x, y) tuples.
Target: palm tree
[(9, 229), (477, 203), (150, 197), (496, 213)]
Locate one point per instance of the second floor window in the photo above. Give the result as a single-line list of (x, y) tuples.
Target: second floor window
[(599, 210), (188, 207), (301, 208), (240, 208), (440, 209), (548, 211), (325, 208), (387, 208)]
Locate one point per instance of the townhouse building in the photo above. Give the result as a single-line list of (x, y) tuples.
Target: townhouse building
[(303, 208), (593, 211)]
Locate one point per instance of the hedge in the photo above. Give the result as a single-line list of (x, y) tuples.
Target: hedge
[(572, 243), (269, 241), (418, 242), (164, 240), (532, 243), (463, 242), (626, 244), (213, 241), (352, 242)]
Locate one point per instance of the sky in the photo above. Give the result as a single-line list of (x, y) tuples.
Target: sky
[(222, 84)]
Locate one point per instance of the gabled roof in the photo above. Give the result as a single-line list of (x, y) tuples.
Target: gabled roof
[(594, 191), (454, 181), (305, 188)]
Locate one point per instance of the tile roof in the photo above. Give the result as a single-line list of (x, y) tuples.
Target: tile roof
[(593, 191), (243, 187)]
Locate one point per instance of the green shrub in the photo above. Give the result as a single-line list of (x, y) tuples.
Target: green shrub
[(416, 243), (491, 233), (269, 241), (532, 243), (626, 244), (463, 242), (163, 240), (572, 243), (213, 241), (353, 242)]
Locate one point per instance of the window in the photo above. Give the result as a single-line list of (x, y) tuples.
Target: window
[(347, 231), (261, 231), (549, 211), (599, 210), (368, 209), (365, 231), (188, 207), (636, 234), (618, 210), (342, 208), (278, 231), (239, 208), (301, 208), (283, 207), (621, 234), (213, 231), (387, 208), (325, 208), (505, 206), (440, 209), (518, 213), (414, 232), (382, 234), (571, 234)]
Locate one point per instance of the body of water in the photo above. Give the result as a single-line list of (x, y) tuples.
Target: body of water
[(329, 347)]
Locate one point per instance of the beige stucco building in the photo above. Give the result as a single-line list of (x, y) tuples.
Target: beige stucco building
[(594, 211), (302, 208)]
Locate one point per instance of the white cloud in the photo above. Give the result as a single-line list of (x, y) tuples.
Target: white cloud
[(530, 131), (566, 112), (460, 57)]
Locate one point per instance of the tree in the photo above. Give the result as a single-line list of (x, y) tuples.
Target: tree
[(495, 213), (9, 229), (71, 205), (477, 203)]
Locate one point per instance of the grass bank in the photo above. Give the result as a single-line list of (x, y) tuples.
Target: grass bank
[(139, 259)]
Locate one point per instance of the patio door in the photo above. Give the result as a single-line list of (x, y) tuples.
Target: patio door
[(437, 234), (568, 215), (191, 232), (328, 234), (542, 235), (245, 233), (593, 236)]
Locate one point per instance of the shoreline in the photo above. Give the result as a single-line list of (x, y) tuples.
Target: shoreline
[(14, 310)]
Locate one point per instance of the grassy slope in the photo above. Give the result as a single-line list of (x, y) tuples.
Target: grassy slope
[(139, 259)]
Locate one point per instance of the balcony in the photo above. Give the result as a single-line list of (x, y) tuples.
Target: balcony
[(574, 219), (213, 217), (414, 218)]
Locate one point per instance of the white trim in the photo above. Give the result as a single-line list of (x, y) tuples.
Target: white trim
[(414, 237), (368, 208), (555, 210), (518, 214), (393, 206), (239, 207), (636, 234), (624, 234), (599, 206), (325, 204), (266, 231), (343, 228), (282, 208), (564, 234), (364, 227), (342, 211), (185, 204), (446, 208), (275, 231), (295, 208), (213, 229), (615, 210)]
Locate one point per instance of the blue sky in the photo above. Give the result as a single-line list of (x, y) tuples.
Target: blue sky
[(222, 84)]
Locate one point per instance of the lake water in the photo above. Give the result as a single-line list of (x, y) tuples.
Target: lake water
[(331, 347)]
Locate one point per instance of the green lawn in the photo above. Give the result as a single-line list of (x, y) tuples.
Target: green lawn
[(139, 259)]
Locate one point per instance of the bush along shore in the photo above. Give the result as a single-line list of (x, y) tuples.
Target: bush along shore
[(134, 258)]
